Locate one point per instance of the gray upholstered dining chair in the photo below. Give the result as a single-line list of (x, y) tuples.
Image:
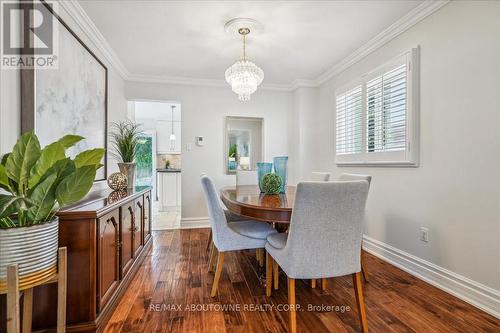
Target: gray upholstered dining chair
[(368, 178), (232, 236), (326, 224), (320, 176), (248, 177), (230, 217)]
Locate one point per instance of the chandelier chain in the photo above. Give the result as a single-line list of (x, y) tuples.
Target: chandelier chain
[(244, 47)]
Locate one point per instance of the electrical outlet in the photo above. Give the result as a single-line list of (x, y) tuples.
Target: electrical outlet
[(424, 234)]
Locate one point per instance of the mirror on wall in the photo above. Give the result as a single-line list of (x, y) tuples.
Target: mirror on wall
[(243, 148)]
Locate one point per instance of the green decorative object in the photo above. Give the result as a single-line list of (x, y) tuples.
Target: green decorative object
[(271, 183), (40, 181), (117, 181)]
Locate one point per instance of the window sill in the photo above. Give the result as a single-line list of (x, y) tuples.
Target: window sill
[(408, 164)]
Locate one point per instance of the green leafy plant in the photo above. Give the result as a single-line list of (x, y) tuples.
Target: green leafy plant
[(125, 136), (271, 183), (233, 150), (42, 181)]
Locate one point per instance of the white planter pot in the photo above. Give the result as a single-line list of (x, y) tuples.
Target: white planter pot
[(128, 169), (33, 249)]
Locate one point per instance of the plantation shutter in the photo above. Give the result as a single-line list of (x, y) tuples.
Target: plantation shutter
[(377, 115), (386, 103), (349, 114)]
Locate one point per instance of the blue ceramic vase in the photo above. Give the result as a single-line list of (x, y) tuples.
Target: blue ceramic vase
[(281, 169)]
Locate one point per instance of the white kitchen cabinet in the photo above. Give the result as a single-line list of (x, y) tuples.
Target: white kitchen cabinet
[(170, 189), (163, 142)]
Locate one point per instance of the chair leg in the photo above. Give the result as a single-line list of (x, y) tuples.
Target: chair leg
[(313, 283), (358, 291), (13, 325), (323, 283), (291, 302), (363, 268), (218, 272), (27, 310), (269, 274), (275, 274), (61, 290), (259, 253), (213, 254), (209, 240)]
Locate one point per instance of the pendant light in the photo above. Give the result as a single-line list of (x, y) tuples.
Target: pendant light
[(244, 76), (172, 135)]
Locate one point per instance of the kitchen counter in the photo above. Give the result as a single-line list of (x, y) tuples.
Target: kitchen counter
[(168, 170)]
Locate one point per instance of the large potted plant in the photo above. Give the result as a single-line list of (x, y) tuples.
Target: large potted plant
[(125, 139), (36, 184)]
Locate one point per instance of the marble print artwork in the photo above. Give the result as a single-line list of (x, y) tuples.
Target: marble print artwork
[(72, 99)]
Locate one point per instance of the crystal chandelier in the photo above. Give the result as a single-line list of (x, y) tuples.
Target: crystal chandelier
[(244, 76)]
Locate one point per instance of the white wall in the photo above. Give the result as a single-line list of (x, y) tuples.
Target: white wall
[(456, 190), (203, 114), (10, 116), (303, 151)]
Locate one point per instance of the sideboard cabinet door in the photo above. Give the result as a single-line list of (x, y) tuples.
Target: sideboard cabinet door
[(147, 216), (138, 224), (108, 256), (127, 237)]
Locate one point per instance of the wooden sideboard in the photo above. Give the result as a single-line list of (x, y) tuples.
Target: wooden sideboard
[(107, 236)]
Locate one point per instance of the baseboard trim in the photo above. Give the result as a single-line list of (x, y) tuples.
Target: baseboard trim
[(472, 292), (194, 222)]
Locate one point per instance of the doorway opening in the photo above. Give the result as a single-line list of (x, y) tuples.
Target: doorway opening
[(159, 158)]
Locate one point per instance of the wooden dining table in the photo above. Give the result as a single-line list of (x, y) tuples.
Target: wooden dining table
[(248, 201)]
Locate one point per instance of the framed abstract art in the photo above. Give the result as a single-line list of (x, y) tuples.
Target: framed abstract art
[(71, 99)]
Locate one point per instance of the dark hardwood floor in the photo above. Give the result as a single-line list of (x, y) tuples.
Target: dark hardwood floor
[(174, 278)]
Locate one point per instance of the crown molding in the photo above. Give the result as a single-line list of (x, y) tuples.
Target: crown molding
[(84, 22), (409, 20), (302, 83), (197, 82), (78, 14)]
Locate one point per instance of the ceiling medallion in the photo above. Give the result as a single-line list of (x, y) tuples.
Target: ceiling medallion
[(243, 76)]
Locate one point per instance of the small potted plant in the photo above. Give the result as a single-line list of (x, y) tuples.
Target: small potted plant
[(232, 154), (125, 139), (37, 183)]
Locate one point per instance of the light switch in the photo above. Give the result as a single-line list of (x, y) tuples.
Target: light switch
[(200, 141), (189, 146)]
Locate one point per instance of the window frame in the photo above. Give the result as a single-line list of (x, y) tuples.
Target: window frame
[(410, 155)]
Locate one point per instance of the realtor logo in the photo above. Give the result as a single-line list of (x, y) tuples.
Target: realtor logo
[(29, 35)]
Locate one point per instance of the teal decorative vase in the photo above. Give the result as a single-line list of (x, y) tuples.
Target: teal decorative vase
[(263, 168), (281, 169)]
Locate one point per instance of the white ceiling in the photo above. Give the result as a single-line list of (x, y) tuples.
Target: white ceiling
[(301, 39)]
